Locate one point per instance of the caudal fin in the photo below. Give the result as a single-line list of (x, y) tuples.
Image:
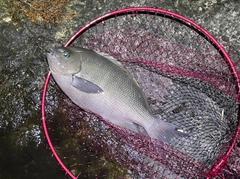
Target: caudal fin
[(165, 131)]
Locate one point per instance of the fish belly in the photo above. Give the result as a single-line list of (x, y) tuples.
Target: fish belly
[(101, 104)]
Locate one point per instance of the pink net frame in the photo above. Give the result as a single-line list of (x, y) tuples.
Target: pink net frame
[(219, 164)]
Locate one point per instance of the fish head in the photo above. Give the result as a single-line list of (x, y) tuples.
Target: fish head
[(64, 60)]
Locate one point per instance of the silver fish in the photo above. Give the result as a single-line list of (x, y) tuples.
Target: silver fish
[(99, 83)]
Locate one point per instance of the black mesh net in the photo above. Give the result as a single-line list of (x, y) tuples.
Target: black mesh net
[(186, 79)]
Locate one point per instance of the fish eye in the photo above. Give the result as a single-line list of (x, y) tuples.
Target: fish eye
[(66, 54)]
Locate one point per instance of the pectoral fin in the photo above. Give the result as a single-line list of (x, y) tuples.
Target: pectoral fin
[(85, 85)]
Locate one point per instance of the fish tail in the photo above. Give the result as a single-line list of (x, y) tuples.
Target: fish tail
[(165, 131)]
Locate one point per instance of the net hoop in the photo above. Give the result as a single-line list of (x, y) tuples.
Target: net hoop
[(218, 164)]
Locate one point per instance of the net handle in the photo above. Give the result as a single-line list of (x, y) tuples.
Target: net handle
[(217, 167)]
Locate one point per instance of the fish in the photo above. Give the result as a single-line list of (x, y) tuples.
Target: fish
[(99, 83)]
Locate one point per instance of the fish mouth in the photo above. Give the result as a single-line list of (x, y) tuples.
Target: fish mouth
[(51, 48), (51, 52)]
